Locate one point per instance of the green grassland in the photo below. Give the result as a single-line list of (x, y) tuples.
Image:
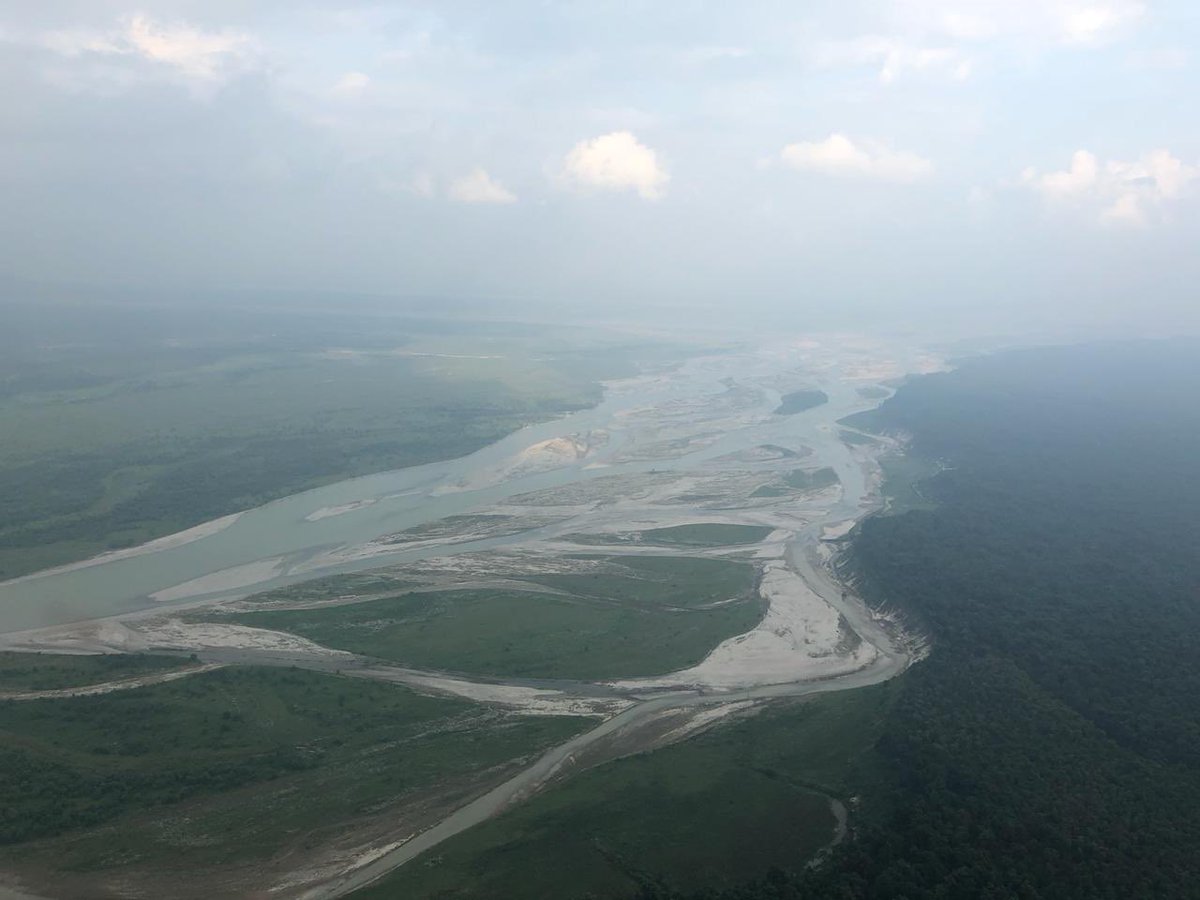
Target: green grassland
[(145, 424), (647, 619), (719, 809), (53, 671), (700, 534), (231, 765)]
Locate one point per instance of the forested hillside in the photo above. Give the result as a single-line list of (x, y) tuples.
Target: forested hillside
[(1048, 748)]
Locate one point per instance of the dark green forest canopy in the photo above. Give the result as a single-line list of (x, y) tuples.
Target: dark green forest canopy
[(1049, 746)]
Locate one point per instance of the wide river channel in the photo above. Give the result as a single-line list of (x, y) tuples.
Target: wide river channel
[(282, 542)]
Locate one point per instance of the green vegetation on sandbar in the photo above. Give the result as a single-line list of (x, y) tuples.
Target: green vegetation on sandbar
[(715, 810), (54, 671), (231, 765), (798, 480), (508, 633), (456, 525), (700, 534), (874, 392), (857, 438), (816, 480), (799, 401), (652, 620), (653, 582), (375, 582)]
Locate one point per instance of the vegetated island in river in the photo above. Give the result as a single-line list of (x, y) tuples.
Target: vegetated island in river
[(799, 401)]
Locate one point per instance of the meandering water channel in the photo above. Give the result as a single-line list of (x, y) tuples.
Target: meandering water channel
[(277, 544)]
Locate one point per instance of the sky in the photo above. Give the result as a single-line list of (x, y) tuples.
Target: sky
[(1004, 162)]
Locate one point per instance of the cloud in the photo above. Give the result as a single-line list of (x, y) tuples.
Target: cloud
[(895, 57), (1090, 23), (840, 156), (1078, 178), (1056, 21), (1117, 192), (352, 83), (616, 162), (949, 39), (189, 51), (479, 187)]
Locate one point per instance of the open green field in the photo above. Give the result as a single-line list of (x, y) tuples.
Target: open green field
[(649, 617), (507, 633), (118, 426), (53, 671), (700, 534), (232, 765), (713, 811)]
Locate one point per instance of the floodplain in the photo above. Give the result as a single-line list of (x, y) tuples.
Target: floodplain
[(613, 583)]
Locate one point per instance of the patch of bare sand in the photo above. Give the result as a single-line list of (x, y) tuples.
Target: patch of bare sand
[(329, 512), (544, 456), (230, 579), (801, 637), (176, 634)]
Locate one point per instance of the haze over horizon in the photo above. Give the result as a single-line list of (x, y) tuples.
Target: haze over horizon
[(1009, 165)]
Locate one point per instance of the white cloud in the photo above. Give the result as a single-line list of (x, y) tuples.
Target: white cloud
[(616, 162), (1117, 192), (352, 83), (946, 39), (1125, 210), (198, 54), (190, 50), (479, 187), (838, 155), (1089, 23), (1078, 178), (895, 57), (1056, 21)]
